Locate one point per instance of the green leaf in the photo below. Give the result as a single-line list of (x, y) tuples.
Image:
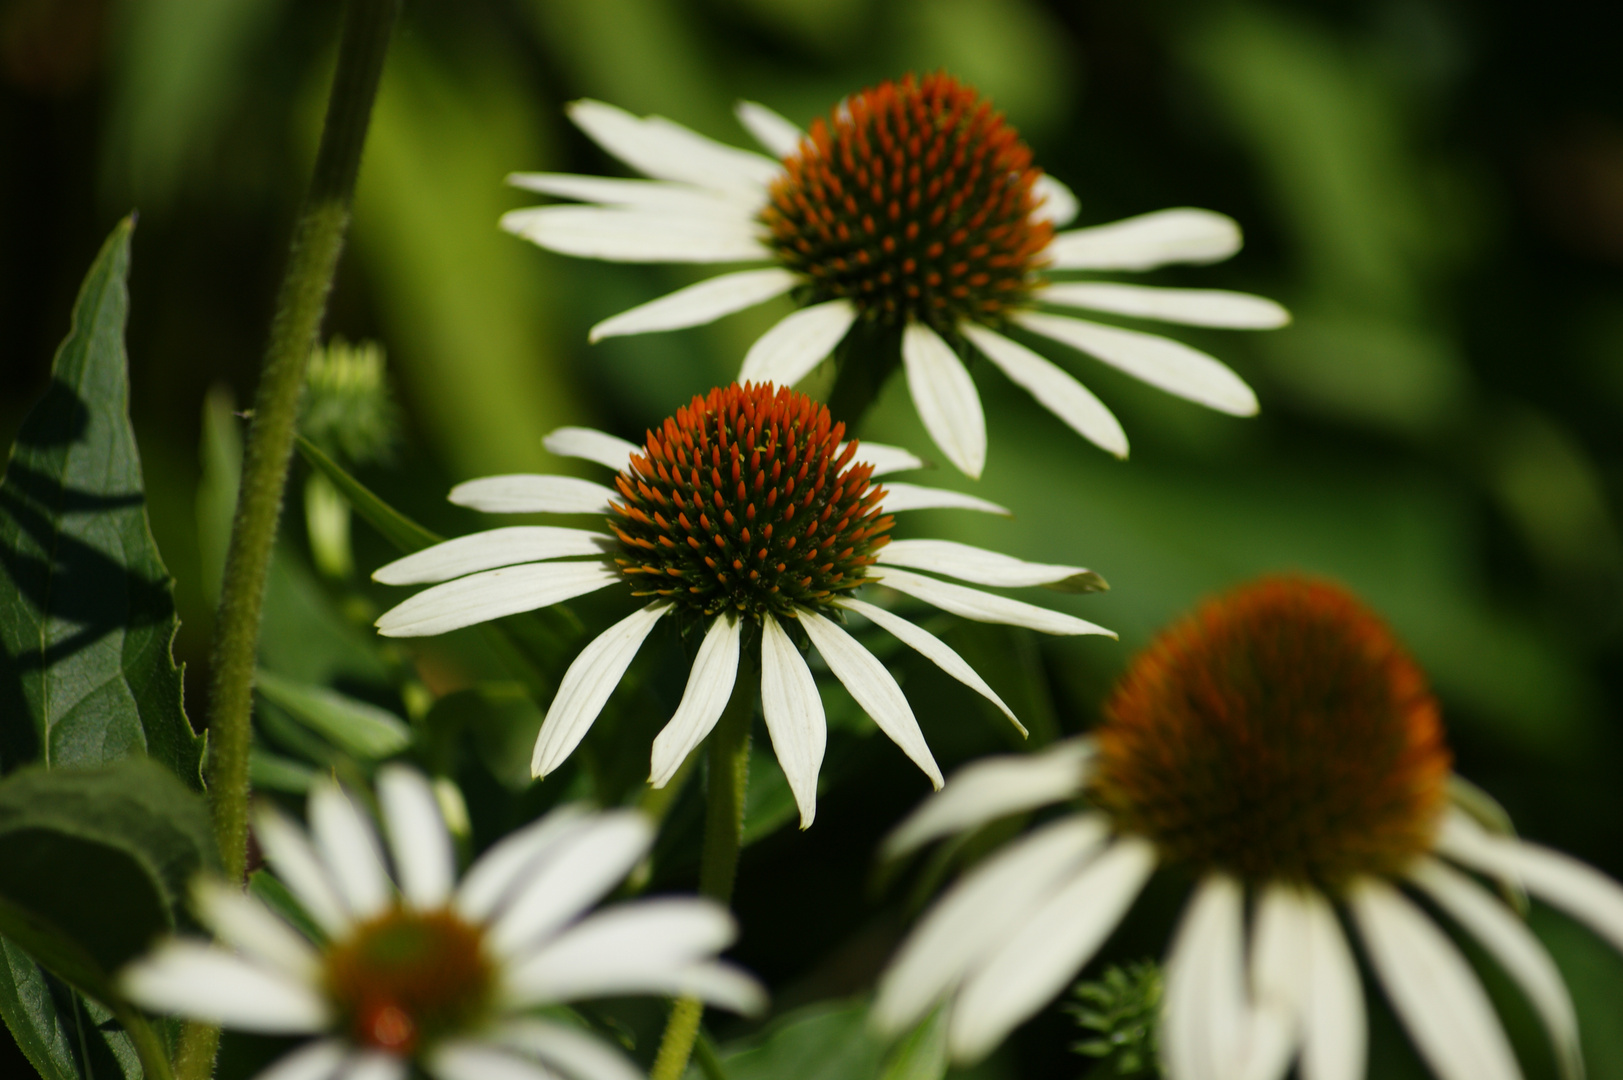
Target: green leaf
[(31, 1014), (360, 728), (922, 1053), (87, 614), (501, 719), (396, 527), (827, 1041)]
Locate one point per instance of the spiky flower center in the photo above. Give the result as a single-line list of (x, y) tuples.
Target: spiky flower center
[(408, 977), (914, 200), (1279, 732), (745, 500)]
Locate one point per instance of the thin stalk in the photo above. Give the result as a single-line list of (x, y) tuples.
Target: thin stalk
[(729, 768)]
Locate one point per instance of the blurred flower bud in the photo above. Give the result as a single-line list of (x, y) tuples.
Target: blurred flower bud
[(347, 408)]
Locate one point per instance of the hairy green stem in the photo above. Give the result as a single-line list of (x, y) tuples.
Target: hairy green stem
[(729, 770)]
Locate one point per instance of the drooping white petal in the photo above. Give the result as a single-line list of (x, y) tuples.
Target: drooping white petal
[(983, 567), (607, 450), (492, 594), (490, 550), (573, 1052), (637, 236), (207, 983), (469, 1059), (296, 863), (982, 607), (665, 150), (491, 882), (780, 137), (884, 459), (980, 912), (794, 715), (1163, 363), (1281, 971), (614, 950), (944, 394), (900, 497), (786, 353), (698, 304), (1045, 954), (318, 1059), (575, 874), (684, 199), (1184, 235), (1193, 307), (1055, 390), (1516, 949), (873, 687), (991, 788), (717, 983), (244, 923), (1203, 1013), (710, 684), (349, 846), (374, 1065), (1335, 1035), (1059, 205), (418, 838), (586, 686), (525, 493), (934, 649), (1432, 988)]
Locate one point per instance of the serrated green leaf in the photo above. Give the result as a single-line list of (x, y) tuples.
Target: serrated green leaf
[(86, 611), (360, 728)]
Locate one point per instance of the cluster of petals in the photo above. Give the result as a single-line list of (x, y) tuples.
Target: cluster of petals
[(1242, 1002), (528, 896), (504, 571), (702, 204)]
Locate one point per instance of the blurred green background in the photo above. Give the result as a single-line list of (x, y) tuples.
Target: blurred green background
[(1435, 188)]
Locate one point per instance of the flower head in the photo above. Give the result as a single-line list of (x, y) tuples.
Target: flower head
[(913, 211), (412, 967), (1278, 745), (749, 514)]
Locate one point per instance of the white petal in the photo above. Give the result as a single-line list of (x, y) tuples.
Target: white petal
[(466, 1059), (1194, 307), (244, 923), (1335, 1034), (668, 151), (579, 871), (630, 194), (637, 236), (982, 607), (349, 846), (794, 715), (1147, 241), (318, 1059), (529, 494), (575, 1053), (1432, 988), (786, 353), (1516, 949), (1163, 363), (698, 304), (418, 839), (1281, 964), (1203, 1012), (490, 550), (992, 788), (1049, 949), (299, 867), (374, 1065), (944, 394), (932, 648), (205, 983), (884, 459), (710, 684), (873, 687), (900, 497), (607, 450), (1059, 204), (491, 595), (1055, 390), (625, 949), (981, 911), (780, 137), (586, 686), (985, 567), (491, 881), (717, 983)]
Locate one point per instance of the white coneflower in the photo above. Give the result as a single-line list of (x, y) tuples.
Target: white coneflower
[(912, 211), (747, 512), (416, 967), (1279, 744)]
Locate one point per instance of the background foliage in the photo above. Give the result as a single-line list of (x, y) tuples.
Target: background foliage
[(1435, 188)]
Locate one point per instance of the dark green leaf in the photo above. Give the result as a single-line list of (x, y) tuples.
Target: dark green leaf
[(502, 721), (827, 1041), (31, 1014), (357, 727), (86, 612)]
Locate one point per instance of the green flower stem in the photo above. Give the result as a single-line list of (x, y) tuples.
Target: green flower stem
[(863, 363), (317, 240), (194, 1059), (729, 768), (148, 1047)]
